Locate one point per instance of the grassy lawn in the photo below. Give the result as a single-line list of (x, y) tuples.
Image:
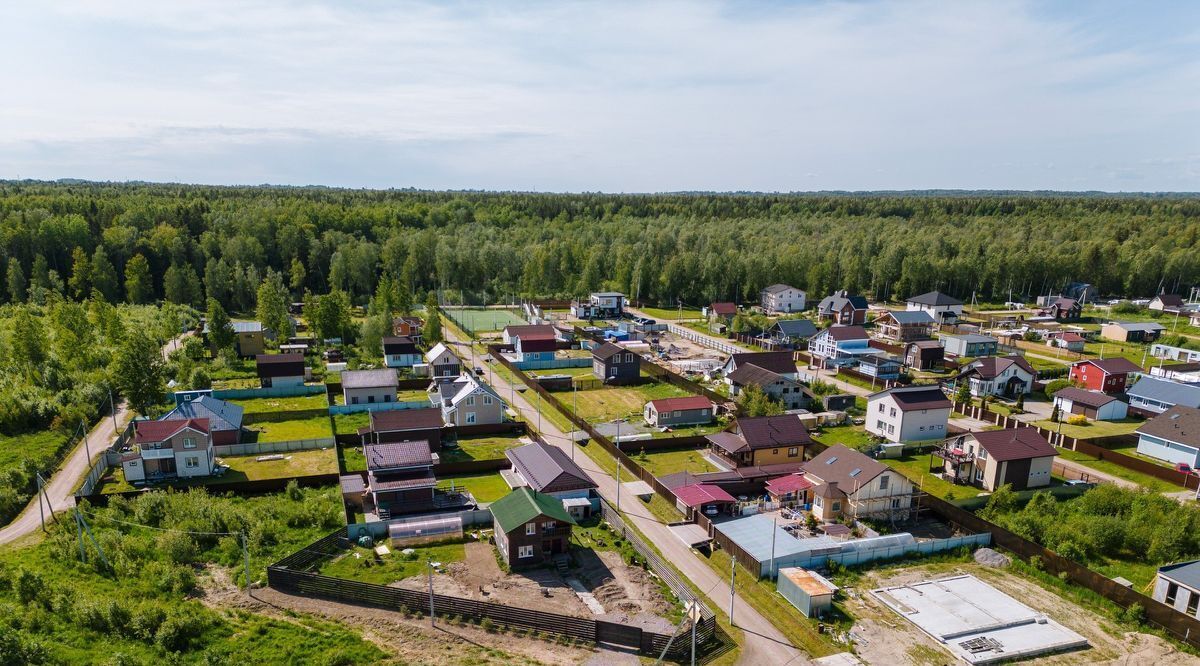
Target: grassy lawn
[(689, 431), (479, 448), (916, 468), (485, 487), (353, 459), (37, 446), (411, 395), (852, 436), (248, 468), (348, 424), (1110, 349), (1094, 428), (362, 564), (283, 431), (290, 404), (1112, 469), (661, 463), (861, 383), (574, 372), (1132, 452), (605, 404), (671, 314)]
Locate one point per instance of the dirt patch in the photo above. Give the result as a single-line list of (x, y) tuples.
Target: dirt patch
[(630, 595), (407, 640)]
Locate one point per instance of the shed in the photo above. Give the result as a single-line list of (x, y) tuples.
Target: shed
[(426, 530), (808, 591)]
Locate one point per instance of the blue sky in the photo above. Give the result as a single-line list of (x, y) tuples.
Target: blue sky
[(606, 96)]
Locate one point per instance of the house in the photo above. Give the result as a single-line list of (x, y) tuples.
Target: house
[(704, 498), (1151, 396), (841, 345), (781, 299), (279, 370), (1020, 457), (400, 352), (173, 448), (881, 367), (532, 343), (467, 401), (969, 346), (600, 305), (1132, 331), (408, 327), (1095, 405), (924, 354), (530, 528), (793, 490), (1062, 309), (908, 414), (442, 362), (1174, 353), (224, 418), (547, 470), (779, 362), (1173, 436), (400, 478), (762, 440), (944, 309), (904, 325), (846, 482), (1188, 373), (1166, 303), (1004, 376), (366, 387), (722, 312), (1068, 340), (842, 308), (1178, 586), (404, 425), (790, 333), (786, 391), (677, 412), (248, 338), (615, 364), (1104, 374)]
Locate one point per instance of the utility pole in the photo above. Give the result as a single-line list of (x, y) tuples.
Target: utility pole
[(774, 526), (574, 410), (617, 460), (246, 556), (113, 406), (86, 448), (732, 575), (432, 617), (41, 509)]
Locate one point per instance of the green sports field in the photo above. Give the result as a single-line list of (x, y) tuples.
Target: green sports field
[(477, 320)]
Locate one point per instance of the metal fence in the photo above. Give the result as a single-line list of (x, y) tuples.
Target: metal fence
[(553, 364), (262, 448), (379, 407), (704, 340)]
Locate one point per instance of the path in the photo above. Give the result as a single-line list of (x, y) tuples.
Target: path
[(1093, 473), (61, 486), (763, 643)]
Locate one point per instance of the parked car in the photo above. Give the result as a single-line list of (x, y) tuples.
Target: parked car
[(1183, 467), (479, 371)]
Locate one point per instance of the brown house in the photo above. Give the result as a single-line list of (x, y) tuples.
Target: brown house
[(924, 355), (401, 425), (762, 440), (400, 478), (531, 528)]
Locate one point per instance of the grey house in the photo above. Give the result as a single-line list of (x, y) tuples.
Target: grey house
[(1151, 396), (467, 401), (615, 365), (970, 345), (690, 410), (365, 387)]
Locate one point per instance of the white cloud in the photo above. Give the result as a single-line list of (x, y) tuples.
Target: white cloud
[(613, 96)]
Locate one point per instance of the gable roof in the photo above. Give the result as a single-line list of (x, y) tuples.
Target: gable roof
[(382, 377), (926, 344), (440, 349), (907, 317), (523, 505), (1184, 573), (1071, 336), (530, 332), (749, 373), (465, 385), (971, 338), (1117, 365), (795, 328), (1064, 303), (842, 333), (1164, 391), (159, 431), (771, 431), (536, 344), (401, 344), (934, 298), (781, 362), (682, 404), (1084, 397), (1178, 424), (840, 299), (221, 415), (398, 454), (607, 351), (843, 466), (1170, 300), (993, 366), (699, 494), (406, 419), (723, 309), (279, 365), (911, 398), (778, 288), (547, 469), (1148, 326), (1014, 444)]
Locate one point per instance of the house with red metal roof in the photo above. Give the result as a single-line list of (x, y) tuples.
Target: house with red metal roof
[(169, 449), (1020, 457), (790, 490), (908, 414), (703, 497), (536, 342), (1069, 340), (675, 412)]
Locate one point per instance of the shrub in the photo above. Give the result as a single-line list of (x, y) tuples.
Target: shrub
[(29, 586), (176, 633), (487, 625), (1077, 420), (1134, 614)]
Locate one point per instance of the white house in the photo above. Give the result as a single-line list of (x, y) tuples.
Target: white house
[(400, 352), (944, 309), (365, 387), (467, 401), (848, 483), (908, 414), (1173, 436), (782, 299), (1019, 457), (1095, 405), (442, 362), (174, 448), (1004, 376), (1178, 586), (841, 345)]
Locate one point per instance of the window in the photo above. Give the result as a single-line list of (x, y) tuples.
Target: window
[(388, 398), (530, 529), (487, 399), (982, 453), (1172, 590), (1193, 602), (354, 400), (675, 413), (881, 408), (896, 503), (470, 401), (837, 506), (548, 526), (612, 371), (922, 428), (525, 551), (883, 482), (470, 417), (191, 462), (880, 425), (189, 442), (893, 412), (629, 358), (370, 398), (978, 474), (793, 452)]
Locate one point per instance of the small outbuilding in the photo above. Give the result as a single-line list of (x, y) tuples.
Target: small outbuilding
[(810, 592)]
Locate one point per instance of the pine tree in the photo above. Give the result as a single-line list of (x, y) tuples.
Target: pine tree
[(404, 298), (138, 285)]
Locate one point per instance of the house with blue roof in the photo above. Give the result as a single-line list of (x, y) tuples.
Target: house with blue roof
[(224, 418)]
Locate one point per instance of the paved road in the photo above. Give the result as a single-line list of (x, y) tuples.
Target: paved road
[(763, 643), (61, 486)]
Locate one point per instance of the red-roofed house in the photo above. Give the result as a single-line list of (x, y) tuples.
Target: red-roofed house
[(689, 410), (706, 498), (722, 312), (790, 490), (533, 342), (176, 448), (1109, 375), (1069, 341), (1020, 457)]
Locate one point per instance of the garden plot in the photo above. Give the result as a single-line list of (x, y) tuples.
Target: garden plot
[(603, 405), (488, 447), (314, 427), (287, 465)]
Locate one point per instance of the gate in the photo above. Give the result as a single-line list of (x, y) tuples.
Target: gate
[(618, 634)]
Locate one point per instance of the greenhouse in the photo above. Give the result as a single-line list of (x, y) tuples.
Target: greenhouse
[(426, 530)]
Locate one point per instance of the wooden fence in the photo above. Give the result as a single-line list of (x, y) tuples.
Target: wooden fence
[(256, 487), (704, 340)]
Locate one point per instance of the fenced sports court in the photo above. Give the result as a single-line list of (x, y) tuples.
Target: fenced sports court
[(484, 320)]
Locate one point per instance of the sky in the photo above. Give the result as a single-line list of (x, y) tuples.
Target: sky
[(605, 96)]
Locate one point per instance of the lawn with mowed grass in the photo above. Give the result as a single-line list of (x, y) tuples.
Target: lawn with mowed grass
[(1093, 429), (1108, 349), (573, 372), (662, 463), (483, 487), (613, 402), (316, 427), (490, 447), (851, 436), (289, 404), (362, 564), (348, 424), (1113, 469), (671, 314), (246, 468), (916, 468)]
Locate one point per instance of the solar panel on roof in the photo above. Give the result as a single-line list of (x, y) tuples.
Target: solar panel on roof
[(832, 459), (855, 472)]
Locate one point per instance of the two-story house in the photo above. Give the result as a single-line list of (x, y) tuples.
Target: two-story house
[(1003, 376), (532, 342), (1150, 396), (400, 352), (779, 362), (599, 305), (224, 418), (467, 401), (908, 413), (790, 333), (280, 370), (408, 327), (400, 478), (402, 425), (366, 387), (844, 309), (924, 355), (971, 345), (442, 362), (615, 364), (762, 440), (547, 470), (249, 338), (782, 299), (904, 325), (1020, 457), (1063, 309), (1110, 375), (783, 389), (530, 527), (944, 309), (841, 345), (170, 449), (848, 483)]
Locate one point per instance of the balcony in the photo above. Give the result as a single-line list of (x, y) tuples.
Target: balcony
[(954, 455), (156, 454)]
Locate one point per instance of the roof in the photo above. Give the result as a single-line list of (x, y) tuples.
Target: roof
[(1064, 303), (1071, 336), (280, 365), (908, 317), (465, 385), (399, 345), (778, 288), (878, 360), (548, 469), (796, 328), (523, 505), (752, 374), (537, 344), (1178, 424), (608, 294), (246, 326), (607, 351), (1148, 326), (682, 404), (781, 362), (728, 441), (440, 349), (406, 419), (771, 431), (1164, 391), (352, 483), (1014, 444), (355, 379), (699, 494), (221, 415), (1084, 397), (912, 398), (934, 298), (846, 467), (843, 333), (788, 484), (839, 300), (1117, 365), (159, 431), (926, 344), (1170, 300), (723, 309), (993, 366), (530, 332), (379, 482), (972, 338), (398, 454), (810, 582), (1184, 573)]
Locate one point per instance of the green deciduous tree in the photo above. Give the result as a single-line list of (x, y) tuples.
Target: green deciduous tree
[(104, 276), (431, 334), (17, 286), (80, 282), (138, 371), (181, 285), (220, 332), (754, 402), (139, 287), (331, 315), (272, 308)]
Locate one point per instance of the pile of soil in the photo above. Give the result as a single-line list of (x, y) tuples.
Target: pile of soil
[(991, 558)]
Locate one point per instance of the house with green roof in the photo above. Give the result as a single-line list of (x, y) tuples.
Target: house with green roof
[(531, 527)]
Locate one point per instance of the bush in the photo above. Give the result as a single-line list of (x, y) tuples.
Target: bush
[(29, 586), (1077, 420), (177, 632)]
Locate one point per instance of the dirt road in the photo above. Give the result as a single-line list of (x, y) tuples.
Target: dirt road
[(763, 643), (62, 484)]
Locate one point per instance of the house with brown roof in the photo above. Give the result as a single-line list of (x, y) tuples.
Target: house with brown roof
[(704, 498), (1063, 309), (780, 362), (784, 390), (908, 413), (904, 325), (1166, 303), (924, 355), (1068, 340), (279, 370), (1173, 436), (677, 412), (548, 470), (849, 483), (722, 312), (408, 327), (1110, 375), (400, 425), (1004, 376), (169, 449), (400, 478), (615, 364), (1019, 457), (762, 440), (536, 342), (1095, 405)]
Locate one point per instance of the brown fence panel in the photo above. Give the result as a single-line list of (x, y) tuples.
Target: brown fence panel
[(664, 443), (471, 466), (256, 487)]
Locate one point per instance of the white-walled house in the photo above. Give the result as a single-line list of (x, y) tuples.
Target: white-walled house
[(1178, 586), (908, 414), (1095, 405), (175, 448), (849, 483), (1173, 436), (366, 387), (1020, 457), (782, 299), (1004, 376), (442, 362), (944, 309)]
